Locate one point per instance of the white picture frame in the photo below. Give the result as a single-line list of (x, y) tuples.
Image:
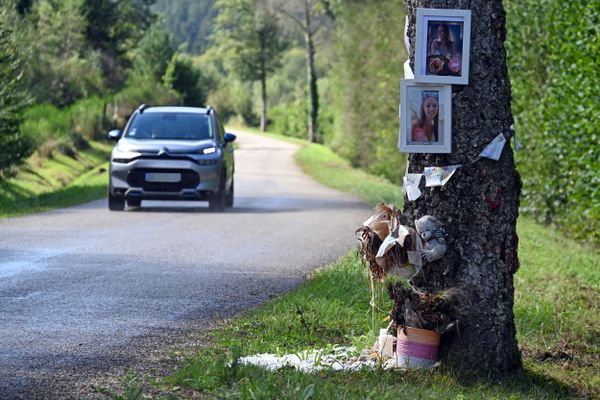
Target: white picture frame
[(420, 130), (442, 47)]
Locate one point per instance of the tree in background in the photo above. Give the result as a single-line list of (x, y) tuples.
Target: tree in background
[(247, 34), (365, 78), (479, 205), (308, 17), (153, 54), (114, 27), (14, 146), (182, 76), (190, 22), (65, 69)]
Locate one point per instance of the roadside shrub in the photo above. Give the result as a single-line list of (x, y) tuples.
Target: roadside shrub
[(552, 52), (45, 121), (64, 129), (289, 119), (89, 118)]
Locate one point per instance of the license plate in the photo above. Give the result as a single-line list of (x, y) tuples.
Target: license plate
[(163, 177)]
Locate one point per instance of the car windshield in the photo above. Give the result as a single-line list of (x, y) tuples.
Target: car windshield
[(170, 125)]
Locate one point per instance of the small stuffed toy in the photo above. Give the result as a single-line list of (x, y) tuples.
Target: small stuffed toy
[(432, 232)]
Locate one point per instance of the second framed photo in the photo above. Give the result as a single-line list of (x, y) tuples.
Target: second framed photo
[(425, 117), (442, 46)]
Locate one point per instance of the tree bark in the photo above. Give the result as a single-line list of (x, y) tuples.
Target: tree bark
[(479, 205), (263, 114), (263, 88), (311, 76)]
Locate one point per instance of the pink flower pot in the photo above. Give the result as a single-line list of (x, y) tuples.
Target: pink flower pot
[(417, 348)]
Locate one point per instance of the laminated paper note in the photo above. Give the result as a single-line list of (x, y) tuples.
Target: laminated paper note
[(494, 149), (411, 186), (438, 176)]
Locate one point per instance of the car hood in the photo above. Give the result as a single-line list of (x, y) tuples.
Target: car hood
[(170, 146)]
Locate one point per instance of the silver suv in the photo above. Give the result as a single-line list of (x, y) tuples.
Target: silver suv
[(171, 153)]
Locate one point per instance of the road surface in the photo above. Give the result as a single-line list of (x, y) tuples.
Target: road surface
[(85, 292)]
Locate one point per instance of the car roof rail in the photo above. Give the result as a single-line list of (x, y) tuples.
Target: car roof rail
[(209, 109), (142, 107)]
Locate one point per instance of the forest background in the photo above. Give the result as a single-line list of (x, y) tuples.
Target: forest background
[(72, 69)]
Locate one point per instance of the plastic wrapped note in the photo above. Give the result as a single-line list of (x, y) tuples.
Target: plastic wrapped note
[(411, 186), (439, 176), (494, 149)]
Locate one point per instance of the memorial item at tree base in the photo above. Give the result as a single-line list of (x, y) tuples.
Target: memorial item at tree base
[(390, 246), (416, 348)]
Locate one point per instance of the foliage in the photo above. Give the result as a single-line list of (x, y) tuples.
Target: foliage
[(287, 88), (67, 129), (309, 17), (247, 34), (553, 49), (114, 27), (64, 68), (228, 94), (190, 22), (366, 78), (141, 91), (153, 54), (183, 77), (14, 145)]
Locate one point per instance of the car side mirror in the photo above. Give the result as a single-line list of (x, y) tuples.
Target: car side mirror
[(229, 137), (115, 134)]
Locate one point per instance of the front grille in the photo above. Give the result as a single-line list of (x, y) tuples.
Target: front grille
[(189, 180)]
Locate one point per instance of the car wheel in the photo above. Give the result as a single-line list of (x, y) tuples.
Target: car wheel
[(216, 202), (115, 203), (229, 197), (134, 202)]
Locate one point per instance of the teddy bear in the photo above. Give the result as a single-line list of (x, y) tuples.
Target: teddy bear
[(430, 229)]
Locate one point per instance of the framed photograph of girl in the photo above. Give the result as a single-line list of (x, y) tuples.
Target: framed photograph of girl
[(425, 117), (442, 46)]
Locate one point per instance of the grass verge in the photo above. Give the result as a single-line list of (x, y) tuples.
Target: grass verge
[(556, 310), (59, 181), (556, 306)]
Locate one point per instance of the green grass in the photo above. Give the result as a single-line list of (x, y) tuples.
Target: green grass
[(557, 317), (557, 298), (59, 181)]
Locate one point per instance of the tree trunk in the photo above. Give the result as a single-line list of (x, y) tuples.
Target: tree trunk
[(479, 205), (311, 76), (263, 92)]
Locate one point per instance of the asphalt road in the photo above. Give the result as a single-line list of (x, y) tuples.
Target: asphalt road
[(86, 293)]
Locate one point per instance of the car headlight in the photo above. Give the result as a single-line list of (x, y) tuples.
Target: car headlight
[(209, 150), (124, 154)]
